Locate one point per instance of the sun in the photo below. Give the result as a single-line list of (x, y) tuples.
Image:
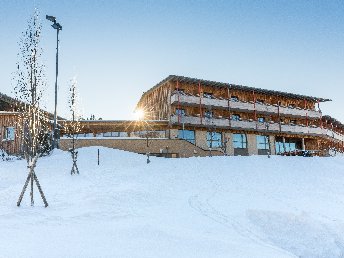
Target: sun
[(139, 114)]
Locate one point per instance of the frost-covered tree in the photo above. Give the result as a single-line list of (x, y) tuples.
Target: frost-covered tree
[(29, 84), (74, 126)]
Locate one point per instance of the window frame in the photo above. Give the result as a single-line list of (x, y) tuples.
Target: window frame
[(242, 141), (214, 143), (188, 139), (10, 133)]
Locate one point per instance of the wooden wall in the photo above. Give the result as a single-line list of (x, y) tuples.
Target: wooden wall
[(10, 120)]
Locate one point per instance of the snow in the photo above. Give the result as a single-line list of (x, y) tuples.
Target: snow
[(196, 207)]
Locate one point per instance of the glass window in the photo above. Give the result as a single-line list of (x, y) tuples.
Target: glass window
[(235, 117), (188, 135), (261, 119), (207, 95), (214, 139), (180, 112), (234, 98), (279, 147), (239, 141), (208, 114), (9, 133), (262, 142)]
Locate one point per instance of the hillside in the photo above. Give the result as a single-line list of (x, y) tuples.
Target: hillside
[(195, 207)]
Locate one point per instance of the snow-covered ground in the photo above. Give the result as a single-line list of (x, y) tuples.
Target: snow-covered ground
[(196, 207)]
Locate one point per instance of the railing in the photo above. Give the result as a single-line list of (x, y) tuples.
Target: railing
[(256, 126), (247, 106)]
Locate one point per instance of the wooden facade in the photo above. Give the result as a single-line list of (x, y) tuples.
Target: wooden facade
[(201, 105), (10, 120)]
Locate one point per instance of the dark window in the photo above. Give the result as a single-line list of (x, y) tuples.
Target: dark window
[(262, 142), (188, 135), (239, 141), (208, 114), (234, 98), (235, 117), (9, 133), (214, 139), (293, 122), (261, 119), (207, 95), (260, 101), (180, 112)]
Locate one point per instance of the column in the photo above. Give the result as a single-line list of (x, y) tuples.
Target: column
[(252, 144), (272, 144)]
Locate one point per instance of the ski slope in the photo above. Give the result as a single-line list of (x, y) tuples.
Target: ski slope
[(196, 207)]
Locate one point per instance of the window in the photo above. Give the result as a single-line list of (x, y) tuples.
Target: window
[(293, 122), (208, 114), (188, 135), (235, 117), (180, 112), (260, 101), (234, 98), (290, 145), (261, 119), (115, 134), (208, 95), (239, 141), (9, 133), (214, 140), (262, 142), (181, 91)]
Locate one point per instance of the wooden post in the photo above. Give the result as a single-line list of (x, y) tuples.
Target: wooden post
[(254, 106), (229, 105), (200, 101), (178, 113), (98, 157)]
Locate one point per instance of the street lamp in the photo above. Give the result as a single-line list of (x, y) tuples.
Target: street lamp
[(57, 27)]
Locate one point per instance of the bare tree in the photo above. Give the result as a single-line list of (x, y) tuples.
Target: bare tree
[(29, 85), (74, 126)]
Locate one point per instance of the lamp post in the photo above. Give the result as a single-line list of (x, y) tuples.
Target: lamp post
[(57, 27)]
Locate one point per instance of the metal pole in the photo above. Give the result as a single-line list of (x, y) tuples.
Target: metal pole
[(55, 113)]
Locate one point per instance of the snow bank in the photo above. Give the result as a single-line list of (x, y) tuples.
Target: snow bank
[(196, 207)]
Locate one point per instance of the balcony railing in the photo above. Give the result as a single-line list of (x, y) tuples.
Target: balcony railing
[(255, 126), (243, 106)]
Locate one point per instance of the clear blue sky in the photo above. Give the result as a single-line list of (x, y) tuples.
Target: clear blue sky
[(118, 49)]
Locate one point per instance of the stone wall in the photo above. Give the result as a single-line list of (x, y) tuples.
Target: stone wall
[(179, 147)]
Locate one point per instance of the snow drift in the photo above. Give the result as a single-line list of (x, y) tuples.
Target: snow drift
[(195, 207)]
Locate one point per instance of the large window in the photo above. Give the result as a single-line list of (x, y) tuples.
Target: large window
[(214, 140), (188, 135), (180, 112), (289, 145), (262, 142), (115, 134), (9, 133), (239, 141), (235, 117)]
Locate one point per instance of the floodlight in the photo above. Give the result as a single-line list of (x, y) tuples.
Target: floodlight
[(51, 18)]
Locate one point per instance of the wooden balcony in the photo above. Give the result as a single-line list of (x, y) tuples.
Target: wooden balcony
[(243, 106), (255, 126)]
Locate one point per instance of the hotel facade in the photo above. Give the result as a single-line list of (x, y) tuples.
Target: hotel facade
[(184, 117)]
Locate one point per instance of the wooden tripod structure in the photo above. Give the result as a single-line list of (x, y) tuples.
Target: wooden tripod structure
[(31, 178), (74, 153)]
